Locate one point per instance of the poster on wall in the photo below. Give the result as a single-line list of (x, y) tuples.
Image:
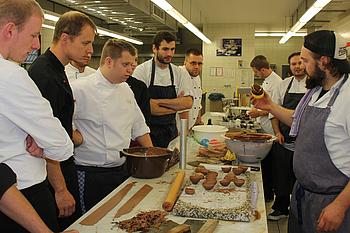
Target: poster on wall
[(230, 47)]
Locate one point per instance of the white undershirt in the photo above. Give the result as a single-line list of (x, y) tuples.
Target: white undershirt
[(162, 77)]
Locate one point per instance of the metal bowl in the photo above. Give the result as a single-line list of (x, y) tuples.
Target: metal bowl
[(147, 163), (250, 151)]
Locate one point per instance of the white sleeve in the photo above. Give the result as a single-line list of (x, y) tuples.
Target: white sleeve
[(22, 103), (185, 84), (277, 96)]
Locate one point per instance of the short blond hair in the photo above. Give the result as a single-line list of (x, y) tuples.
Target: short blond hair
[(113, 48), (18, 11)]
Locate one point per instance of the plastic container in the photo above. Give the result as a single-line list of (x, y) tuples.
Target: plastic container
[(209, 132)]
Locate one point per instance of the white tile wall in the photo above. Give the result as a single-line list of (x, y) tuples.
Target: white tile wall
[(251, 46), (231, 78), (46, 39)]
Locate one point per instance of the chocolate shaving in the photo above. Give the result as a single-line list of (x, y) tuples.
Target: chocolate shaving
[(143, 221)]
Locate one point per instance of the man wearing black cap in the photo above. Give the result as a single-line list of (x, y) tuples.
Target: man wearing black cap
[(321, 123)]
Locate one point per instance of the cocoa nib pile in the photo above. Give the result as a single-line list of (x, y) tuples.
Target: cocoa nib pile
[(143, 221)]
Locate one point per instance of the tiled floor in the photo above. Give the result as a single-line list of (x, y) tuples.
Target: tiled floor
[(279, 226)]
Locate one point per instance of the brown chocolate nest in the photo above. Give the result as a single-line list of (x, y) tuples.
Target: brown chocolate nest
[(257, 89)]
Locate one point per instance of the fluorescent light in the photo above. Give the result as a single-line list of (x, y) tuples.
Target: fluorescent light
[(306, 17), (51, 17), (278, 34), (102, 31), (48, 26), (177, 16), (297, 26), (163, 4), (309, 14), (110, 33), (181, 19), (196, 31)]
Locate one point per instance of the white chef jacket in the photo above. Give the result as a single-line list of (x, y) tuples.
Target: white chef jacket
[(24, 111), (73, 73), (196, 88), (337, 127), (269, 85), (278, 96), (108, 117), (162, 77)]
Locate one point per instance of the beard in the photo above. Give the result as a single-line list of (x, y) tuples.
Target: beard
[(161, 59), (315, 79)]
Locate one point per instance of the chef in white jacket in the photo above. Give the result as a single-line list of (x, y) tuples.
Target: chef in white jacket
[(108, 117), (25, 115), (261, 69)]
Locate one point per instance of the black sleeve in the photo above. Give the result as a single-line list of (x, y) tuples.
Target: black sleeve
[(7, 178), (42, 77), (144, 104)]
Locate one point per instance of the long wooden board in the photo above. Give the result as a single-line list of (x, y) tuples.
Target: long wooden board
[(134, 201), (100, 212)]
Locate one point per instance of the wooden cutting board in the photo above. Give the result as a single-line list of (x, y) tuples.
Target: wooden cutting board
[(134, 200), (193, 223), (99, 213)]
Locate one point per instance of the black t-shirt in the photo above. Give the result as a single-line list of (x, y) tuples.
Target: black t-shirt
[(7, 178), (142, 96), (323, 91)]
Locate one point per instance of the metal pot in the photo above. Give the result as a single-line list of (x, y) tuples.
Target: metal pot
[(147, 163)]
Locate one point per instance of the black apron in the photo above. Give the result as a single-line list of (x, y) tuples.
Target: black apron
[(282, 161), (319, 181), (163, 128), (290, 101)]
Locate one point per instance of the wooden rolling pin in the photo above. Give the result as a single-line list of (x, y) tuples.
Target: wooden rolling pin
[(173, 192)]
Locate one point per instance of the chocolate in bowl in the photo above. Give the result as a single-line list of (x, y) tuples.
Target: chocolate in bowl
[(147, 163)]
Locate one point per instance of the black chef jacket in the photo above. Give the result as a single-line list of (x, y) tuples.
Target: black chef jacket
[(142, 97), (48, 74)]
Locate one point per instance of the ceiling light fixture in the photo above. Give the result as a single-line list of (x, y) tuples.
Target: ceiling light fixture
[(279, 34), (181, 19), (50, 16), (48, 26), (307, 16)]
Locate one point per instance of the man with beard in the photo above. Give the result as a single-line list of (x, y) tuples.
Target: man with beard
[(168, 89), (321, 195), (193, 66), (288, 94)]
